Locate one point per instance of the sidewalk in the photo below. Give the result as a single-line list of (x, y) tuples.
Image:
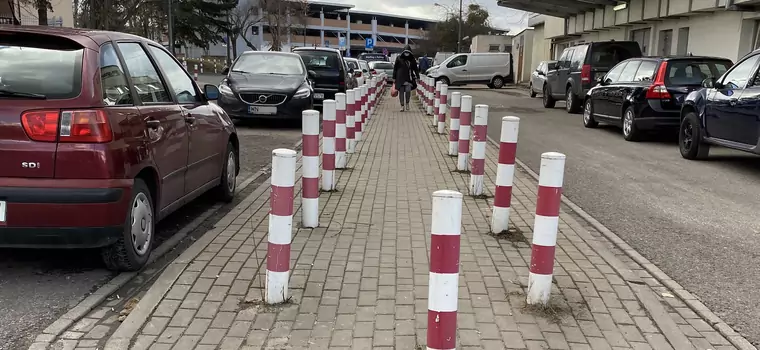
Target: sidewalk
[(360, 280)]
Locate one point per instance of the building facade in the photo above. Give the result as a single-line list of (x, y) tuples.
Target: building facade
[(330, 24), (24, 12), (723, 28)]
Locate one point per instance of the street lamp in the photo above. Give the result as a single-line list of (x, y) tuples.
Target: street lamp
[(459, 25)]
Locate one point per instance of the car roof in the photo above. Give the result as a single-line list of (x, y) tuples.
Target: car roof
[(86, 37), (280, 53), (682, 57), (328, 49), (350, 59)]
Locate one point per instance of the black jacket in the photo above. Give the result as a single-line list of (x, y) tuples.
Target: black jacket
[(405, 70)]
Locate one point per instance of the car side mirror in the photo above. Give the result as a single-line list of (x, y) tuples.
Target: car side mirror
[(601, 81), (709, 83), (312, 74), (226, 70), (211, 92), (551, 67)]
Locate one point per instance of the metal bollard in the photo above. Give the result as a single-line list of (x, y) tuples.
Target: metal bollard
[(350, 121), (436, 102), (358, 111), (310, 169), (505, 174), (329, 110), (479, 139), (280, 225), (442, 109), (465, 120), (340, 131), (456, 107)]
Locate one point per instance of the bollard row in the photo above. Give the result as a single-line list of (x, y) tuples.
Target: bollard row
[(341, 120)]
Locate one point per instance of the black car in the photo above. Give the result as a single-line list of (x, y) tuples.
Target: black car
[(331, 75), (724, 112), (579, 67), (265, 84), (641, 94)]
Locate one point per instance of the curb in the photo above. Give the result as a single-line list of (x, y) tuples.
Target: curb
[(689, 299), (55, 329), (122, 336)]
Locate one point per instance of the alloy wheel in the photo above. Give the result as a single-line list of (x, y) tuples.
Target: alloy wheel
[(688, 136), (627, 123), (231, 167), (587, 112), (569, 100), (142, 224)]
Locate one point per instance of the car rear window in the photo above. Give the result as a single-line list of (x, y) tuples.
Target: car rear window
[(320, 60), (688, 72), (40, 64), (381, 65), (352, 64), (610, 54)]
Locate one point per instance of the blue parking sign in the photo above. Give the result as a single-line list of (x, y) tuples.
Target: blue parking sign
[(369, 44)]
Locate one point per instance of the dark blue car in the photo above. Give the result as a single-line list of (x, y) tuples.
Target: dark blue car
[(724, 112)]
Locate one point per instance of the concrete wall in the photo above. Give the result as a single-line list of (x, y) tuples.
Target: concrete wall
[(522, 55), (541, 47), (482, 43)]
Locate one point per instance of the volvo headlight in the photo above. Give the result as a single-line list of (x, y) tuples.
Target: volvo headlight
[(225, 89), (303, 92)]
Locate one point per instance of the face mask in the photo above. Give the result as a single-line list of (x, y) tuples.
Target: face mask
[(406, 54)]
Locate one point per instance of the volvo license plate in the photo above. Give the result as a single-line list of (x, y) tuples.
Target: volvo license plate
[(262, 110), (319, 96)]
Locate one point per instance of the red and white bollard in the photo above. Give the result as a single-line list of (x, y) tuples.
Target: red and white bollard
[(545, 227), (443, 287), (358, 111), (479, 139), (310, 169), (280, 225), (340, 131), (372, 96), (201, 68), (431, 93), (436, 102), (505, 174), (350, 121), (442, 104), (456, 107), (195, 72), (329, 111), (365, 105), (465, 120)]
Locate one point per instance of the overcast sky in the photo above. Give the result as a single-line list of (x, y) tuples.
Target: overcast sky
[(501, 17)]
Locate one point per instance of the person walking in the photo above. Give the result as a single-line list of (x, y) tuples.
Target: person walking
[(424, 64), (405, 73)]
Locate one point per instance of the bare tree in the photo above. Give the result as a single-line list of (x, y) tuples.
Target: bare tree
[(282, 17), (242, 19)]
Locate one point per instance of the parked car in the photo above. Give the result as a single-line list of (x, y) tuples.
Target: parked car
[(355, 71), (102, 135), (579, 67), (724, 112), (267, 84), (492, 69), (364, 66), (330, 73), (377, 67), (538, 78), (642, 94)]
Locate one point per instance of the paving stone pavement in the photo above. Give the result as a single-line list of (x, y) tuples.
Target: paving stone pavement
[(359, 281)]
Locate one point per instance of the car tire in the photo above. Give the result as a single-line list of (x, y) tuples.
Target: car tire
[(690, 138), (630, 132), (547, 98), (444, 80), (225, 192), (588, 115), (132, 250), (497, 82), (490, 86), (532, 92), (573, 104)]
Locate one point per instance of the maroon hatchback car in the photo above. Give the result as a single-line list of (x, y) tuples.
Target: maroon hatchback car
[(102, 134)]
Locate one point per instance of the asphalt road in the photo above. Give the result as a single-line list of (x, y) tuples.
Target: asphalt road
[(695, 220), (38, 286)]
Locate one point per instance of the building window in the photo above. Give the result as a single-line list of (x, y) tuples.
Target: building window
[(493, 48), (641, 36)]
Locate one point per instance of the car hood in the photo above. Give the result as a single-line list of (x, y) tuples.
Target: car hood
[(265, 82)]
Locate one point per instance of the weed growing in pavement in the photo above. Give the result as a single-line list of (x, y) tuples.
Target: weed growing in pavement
[(554, 312), (514, 235), (328, 191), (262, 306), (482, 196), (460, 171)]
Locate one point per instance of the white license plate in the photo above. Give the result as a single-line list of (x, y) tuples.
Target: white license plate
[(319, 96), (262, 110), (2, 212)]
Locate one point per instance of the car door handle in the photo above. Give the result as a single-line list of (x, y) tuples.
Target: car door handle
[(464, 70), (152, 123), (190, 119)]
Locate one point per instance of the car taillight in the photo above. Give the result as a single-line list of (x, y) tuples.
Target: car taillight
[(586, 73), (373, 72), (658, 91), (76, 126)]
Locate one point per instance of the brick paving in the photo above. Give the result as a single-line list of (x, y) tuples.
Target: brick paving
[(359, 281)]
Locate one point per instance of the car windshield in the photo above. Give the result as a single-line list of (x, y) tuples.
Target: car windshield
[(381, 65), (364, 65), (352, 65), (263, 63), (320, 60), (686, 72), (36, 70)]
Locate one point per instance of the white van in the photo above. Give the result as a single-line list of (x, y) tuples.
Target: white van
[(492, 69), (441, 56)]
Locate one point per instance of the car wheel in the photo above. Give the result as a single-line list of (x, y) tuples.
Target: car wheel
[(588, 115), (226, 189), (532, 92), (444, 80), (497, 82), (630, 132), (690, 138), (572, 101), (133, 248), (547, 98)]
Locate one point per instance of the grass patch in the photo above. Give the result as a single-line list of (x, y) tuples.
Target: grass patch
[(261, 305), (514, 235), (554, 311)]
